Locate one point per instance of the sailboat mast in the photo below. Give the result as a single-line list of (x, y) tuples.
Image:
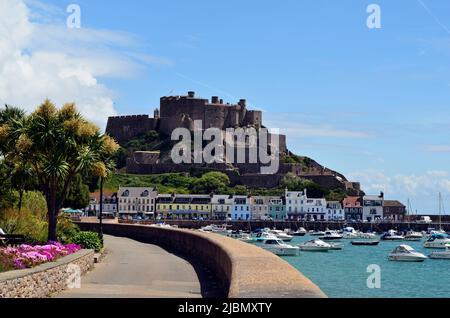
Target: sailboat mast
[(440, 211)]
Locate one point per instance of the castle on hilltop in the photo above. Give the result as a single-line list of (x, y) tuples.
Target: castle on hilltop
[(182, 111)]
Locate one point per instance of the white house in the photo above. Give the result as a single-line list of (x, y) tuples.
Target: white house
[(335, 211), (373, 207), (295, 201), (299, 206), (137, 203), (240, 208), (315, 209), (259, 208), (221, 206)]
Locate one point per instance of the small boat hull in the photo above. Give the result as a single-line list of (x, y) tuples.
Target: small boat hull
[(297, 234), (331, 238), (336, 247), (401, 258), (365, 243), (440, 255), (314, 249), (284, 251), (436, 245)]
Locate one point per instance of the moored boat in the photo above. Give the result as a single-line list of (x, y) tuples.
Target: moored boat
[(437, 241), (392, 235), (281, 235), (315, 246), (441, 255), (280, 248), (331, 236), (300, 232), (263, 236), (405, 253), (365, 243), (316, 233), (336, 246), (413, 236)]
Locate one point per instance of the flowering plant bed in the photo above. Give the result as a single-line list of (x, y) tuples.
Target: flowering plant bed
[(28, 256)]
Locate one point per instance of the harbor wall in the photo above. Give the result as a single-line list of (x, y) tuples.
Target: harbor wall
[(294, 225), (245, 271)]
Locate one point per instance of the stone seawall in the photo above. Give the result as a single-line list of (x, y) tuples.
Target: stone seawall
[(294, 225), (245, 271), (46, 279)]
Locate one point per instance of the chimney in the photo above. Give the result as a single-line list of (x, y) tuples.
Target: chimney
[(215, 100), (382, 195), (191, 94)]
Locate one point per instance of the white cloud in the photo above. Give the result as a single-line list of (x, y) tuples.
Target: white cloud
[(40, 60), (421, 189), (437, 148), (298, 125)]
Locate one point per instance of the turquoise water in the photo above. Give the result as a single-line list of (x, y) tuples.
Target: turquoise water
[(343, 274)]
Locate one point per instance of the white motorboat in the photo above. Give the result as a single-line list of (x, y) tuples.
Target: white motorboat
[(235, 234), (392, 235), (218, 229), (281, 235), (315, 246), (437, 241), (331, 236), (405, 253), (368, 235), (280, 248), (263, 236), (336, 246), (441, 255), (300, 232), (317, 233), (350, 235), (246, 238), (413, 236)]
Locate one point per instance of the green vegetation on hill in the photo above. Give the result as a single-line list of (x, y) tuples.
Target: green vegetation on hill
[(294, 159), (211, 182), (150, 141), (219, 183)]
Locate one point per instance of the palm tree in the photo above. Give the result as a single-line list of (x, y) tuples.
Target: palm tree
[(58, 145)]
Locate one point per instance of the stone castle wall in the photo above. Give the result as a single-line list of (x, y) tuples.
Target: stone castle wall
[(124, 128)]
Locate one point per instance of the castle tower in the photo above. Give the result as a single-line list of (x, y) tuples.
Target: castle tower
[(156, 114)]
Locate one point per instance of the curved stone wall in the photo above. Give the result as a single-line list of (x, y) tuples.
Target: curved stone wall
[(45, 279), (245, 270)]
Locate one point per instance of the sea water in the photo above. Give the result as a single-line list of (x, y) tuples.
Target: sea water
[(343, 274)]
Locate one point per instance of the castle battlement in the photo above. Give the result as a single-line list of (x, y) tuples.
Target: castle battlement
[(182, 111)]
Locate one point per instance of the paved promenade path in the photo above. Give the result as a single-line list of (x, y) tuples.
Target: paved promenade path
[(139, 270)]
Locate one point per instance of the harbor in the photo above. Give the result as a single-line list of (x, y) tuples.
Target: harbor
[(412, 264)]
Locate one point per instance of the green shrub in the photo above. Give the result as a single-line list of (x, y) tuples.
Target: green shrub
[(66, 229), (88, 240)]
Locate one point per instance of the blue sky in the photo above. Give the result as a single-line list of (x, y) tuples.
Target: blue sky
[(371, 103)]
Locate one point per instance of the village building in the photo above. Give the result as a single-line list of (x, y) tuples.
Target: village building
[(394, 210), (137, 203), (373, 207), (353, 208)]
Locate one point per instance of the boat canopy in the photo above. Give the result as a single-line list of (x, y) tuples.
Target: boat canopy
[(439, 236)]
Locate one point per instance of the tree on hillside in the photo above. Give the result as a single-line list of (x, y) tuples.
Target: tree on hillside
[(211, 182), (295, 183), (58, 145)]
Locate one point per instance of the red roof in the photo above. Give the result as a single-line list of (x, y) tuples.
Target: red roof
[(106, 194), (352, 202)]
